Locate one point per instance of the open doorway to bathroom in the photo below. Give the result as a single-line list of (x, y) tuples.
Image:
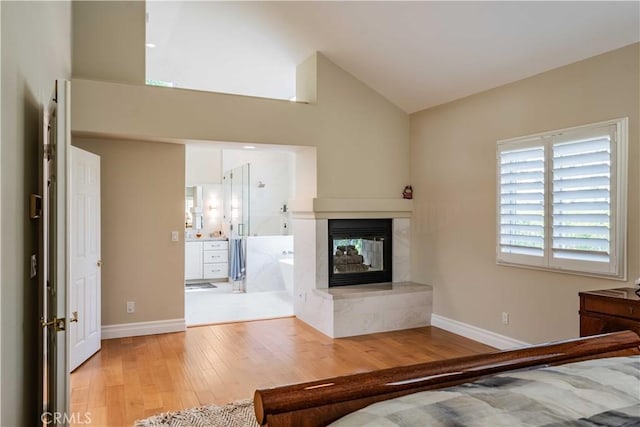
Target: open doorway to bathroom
[(238, 232)]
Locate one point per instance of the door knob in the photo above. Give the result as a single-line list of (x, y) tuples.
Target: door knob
[(74, 317), (99, 263)]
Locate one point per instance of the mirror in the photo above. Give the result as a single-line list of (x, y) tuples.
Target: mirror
[(193, 217)]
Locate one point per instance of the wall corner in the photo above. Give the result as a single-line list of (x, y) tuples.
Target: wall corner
[(307, 80)]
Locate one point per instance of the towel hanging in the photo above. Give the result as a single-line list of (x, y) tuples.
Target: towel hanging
[(236, 255)]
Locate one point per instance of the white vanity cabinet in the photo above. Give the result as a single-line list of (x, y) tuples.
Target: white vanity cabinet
[(215, 258), (207, 259), (193, 266)]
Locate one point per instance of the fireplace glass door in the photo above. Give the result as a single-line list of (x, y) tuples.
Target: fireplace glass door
[(359, 251), (358, 255)]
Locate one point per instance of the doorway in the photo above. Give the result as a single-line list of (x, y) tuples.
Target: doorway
[(245, 214)]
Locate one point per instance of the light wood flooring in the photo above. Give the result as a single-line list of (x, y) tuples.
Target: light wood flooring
[(133, 378)]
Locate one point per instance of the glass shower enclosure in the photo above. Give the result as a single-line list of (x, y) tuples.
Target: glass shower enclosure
[(236, 218)]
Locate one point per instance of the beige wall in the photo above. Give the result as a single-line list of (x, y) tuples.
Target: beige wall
[(306, 173), (142, 198), (203, 164), (36, 50), (109, 40), (362, 139), (453, 149)]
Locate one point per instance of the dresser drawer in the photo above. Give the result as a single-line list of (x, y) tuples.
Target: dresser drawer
[(614, 307), (215, 256), (216, 271), (218, 245), (594, 324)]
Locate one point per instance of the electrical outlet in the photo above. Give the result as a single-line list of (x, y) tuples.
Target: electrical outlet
[(505, 318), (174, 236), (34, 265), (131, 306)]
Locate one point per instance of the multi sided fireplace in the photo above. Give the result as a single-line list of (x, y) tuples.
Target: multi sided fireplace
[(359, 251)]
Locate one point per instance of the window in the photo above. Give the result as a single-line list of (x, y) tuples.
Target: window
[(562, 200)]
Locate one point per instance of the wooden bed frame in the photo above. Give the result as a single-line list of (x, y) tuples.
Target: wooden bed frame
[(318, 403)]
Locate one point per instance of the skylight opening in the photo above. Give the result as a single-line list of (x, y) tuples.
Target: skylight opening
[(225, 47)]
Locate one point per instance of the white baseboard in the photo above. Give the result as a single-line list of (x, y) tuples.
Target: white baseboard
[(143, 328), (484, 336)]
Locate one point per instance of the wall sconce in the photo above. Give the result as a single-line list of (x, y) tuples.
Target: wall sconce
[(213, 207)]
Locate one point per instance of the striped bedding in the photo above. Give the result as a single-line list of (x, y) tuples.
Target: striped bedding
[(601, 392)]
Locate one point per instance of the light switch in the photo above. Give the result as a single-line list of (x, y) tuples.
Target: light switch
[(174, 236)]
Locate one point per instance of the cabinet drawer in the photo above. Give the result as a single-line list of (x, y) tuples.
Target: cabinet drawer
[(215, 256), (219, 245), (594, 324), (613, 307), (216, 271)]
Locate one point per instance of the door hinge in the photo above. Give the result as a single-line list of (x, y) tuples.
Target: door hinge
[(58, 324), (48, 151), (35, 206)]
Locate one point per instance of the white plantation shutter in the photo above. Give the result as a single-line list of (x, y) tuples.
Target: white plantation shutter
[(521, 205), (582, 200), (562, 199)]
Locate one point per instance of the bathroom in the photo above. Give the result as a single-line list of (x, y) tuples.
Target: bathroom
[(238, 235)]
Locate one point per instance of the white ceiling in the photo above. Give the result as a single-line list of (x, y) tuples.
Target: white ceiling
[(416, 54)]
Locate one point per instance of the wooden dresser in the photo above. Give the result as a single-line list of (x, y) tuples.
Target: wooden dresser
[(609, 310)]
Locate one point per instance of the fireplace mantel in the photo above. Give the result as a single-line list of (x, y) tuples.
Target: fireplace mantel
[(328, 208)]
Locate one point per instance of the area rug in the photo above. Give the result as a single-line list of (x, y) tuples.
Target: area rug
[(235, 414), (201, 285)]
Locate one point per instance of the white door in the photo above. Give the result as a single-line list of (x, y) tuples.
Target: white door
[(84, 250), (54, 345)]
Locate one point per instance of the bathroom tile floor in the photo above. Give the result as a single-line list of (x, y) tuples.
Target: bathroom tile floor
[(221, 305)]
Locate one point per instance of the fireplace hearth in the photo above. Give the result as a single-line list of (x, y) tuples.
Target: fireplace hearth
[(360, 251)]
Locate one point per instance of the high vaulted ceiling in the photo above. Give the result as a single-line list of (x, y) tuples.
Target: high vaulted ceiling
[(416, 54)]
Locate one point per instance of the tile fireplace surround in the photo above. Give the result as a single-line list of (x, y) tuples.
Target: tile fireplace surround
[(359, 309)]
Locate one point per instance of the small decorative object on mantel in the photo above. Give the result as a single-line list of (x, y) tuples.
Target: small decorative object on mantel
[(408, 192)]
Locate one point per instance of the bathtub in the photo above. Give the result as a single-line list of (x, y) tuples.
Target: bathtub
[(263, 269), (286, 268)]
